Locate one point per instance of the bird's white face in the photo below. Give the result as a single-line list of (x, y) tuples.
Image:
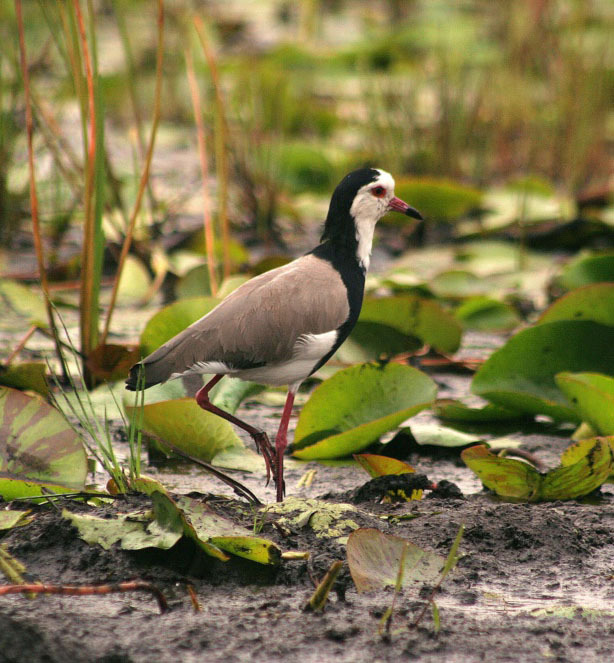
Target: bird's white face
[(370, 204)]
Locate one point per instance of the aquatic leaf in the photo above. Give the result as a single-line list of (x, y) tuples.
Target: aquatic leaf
[(587, 269), (441, 436), (580, 449), (370, 341), (229, 393), (11, 518), (453, 410), (222, 533), (187, 426), (327, 520), (569, 482), (161, 528), (584, 470), (112, 362), (438, 199), (520, 375), (194, 284), (592, 302), (379, 466), (505, 476), (134, 283), (28, 375), (458, 284), (374, 559), (486, 314), (592, 394), (23, 301), (353, 408), (38, 448), (415, 316), (173, 319)]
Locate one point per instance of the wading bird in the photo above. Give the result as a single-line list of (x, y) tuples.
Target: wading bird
[(281, 326)]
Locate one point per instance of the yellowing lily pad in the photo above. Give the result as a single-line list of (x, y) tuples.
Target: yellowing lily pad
[(520, 375), (517, 480), (592, 394), (39, 449), (374, 559), (379, 466), (353, 408)]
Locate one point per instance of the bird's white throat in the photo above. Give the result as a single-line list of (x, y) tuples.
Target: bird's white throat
[(367, 210)]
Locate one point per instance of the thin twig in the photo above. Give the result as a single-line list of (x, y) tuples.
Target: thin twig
[(89, 590)]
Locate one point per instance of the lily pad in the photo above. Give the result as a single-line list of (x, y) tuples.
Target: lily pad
[(226, 535), (588, 269), (357, 405), (415, 316), (486, 314), (194, 284), (23, 301), (28, 375), (517, 480), (520, 375), (441, 436), (592, 394), (187, 426), (374, 559), (134, 283), (39, 450), (379, 466), (453, 410), (458, 284), (111, 361), (173, 319), (592, 302), (370, 341), (11, 518)]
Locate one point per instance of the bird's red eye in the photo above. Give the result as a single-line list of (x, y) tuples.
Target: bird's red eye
[(378, 191)]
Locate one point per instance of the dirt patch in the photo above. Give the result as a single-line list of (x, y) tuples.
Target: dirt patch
[(535, 582)]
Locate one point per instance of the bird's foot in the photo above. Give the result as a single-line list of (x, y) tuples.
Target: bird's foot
[(264, 447)]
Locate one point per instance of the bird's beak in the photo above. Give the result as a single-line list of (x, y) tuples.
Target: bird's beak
[(398, 205)]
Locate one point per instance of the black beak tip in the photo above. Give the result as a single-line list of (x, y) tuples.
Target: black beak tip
[(411, 211)]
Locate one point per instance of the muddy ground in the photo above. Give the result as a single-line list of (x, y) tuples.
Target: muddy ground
[(535, 583)]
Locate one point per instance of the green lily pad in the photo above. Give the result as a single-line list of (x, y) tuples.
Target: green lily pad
[(441, 436), (588, 269), (134, 283), (486, 314), (438, 199), (453, 410), (370, 341), (28, 375), (357, 405), (173, 319), (517, 480), (194, 284), (39, 448), (187, 426), (379, 466), (415, 316), (458, 284), (592, 302), (374, 559), (520, 375), (592, 394)]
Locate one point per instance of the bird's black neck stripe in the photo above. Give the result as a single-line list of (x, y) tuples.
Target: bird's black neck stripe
[(353, 276)]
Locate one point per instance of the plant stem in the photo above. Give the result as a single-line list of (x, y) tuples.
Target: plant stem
[(36, 231)]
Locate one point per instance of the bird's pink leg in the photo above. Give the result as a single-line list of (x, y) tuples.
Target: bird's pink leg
[(281, 442), (260, 438)]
